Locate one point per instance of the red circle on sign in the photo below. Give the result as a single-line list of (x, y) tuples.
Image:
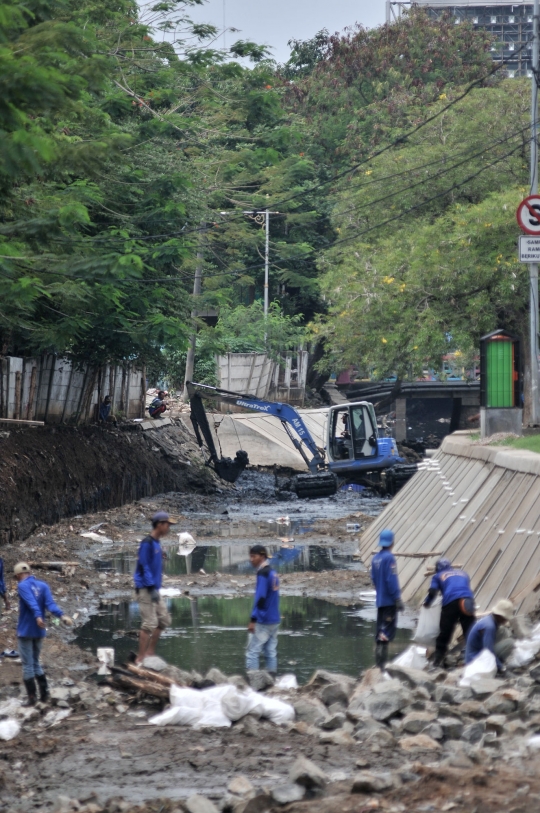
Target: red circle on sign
[(528, 215)]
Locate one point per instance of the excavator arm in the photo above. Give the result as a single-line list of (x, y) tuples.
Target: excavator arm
[(290, 419)]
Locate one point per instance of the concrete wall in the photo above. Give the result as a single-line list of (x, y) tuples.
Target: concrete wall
[(256, 374), (55, 390), (480, 507), (264, 438)]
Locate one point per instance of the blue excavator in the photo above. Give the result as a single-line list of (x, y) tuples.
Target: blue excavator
[(354, 452)]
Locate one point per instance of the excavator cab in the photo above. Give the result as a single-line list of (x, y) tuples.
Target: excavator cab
[(352, 432)]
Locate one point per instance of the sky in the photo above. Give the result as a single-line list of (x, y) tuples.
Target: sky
[(281, 20)]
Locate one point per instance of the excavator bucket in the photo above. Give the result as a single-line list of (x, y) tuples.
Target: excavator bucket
[(226, 468)]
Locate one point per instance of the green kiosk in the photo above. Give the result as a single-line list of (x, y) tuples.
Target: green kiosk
[(500, 384)]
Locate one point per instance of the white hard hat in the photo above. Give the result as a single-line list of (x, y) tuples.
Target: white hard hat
[(21, 567)]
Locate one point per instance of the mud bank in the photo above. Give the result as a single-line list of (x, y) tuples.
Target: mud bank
[(47, 473)]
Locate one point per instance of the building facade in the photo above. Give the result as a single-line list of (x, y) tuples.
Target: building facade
[(510, 25)]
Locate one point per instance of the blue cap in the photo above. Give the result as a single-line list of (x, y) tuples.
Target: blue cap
[(162, 516), (386, 539), (443, 564)]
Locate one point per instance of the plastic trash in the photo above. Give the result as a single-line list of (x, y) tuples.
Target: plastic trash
[(186, 543), (483, 667), (412, 658), (105, 656), (524, 652), (534, 742), (287, 682), (177, 715), (236, 704), (191, 698), (170, 592), (9, 729), (96, 537), (277, 711), (352, 527), (428, 626)]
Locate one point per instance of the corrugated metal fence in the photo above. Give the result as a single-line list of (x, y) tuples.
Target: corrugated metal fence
[(56, 390)]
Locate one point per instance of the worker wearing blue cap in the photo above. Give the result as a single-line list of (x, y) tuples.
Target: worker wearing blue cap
[(385, 579), (147, 577)]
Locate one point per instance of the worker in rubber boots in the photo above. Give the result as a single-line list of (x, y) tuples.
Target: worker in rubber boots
[(35, 598), (265, 617), (457, 605), (490, 633), (147, 578), (385, 579)]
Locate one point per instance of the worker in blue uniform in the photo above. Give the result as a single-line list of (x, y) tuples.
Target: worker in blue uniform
[(35, 598), (147, 579), (457, 604), (385, 579), (265, 616), (485, 634)]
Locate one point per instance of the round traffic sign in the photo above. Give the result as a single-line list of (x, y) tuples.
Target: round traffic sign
[(528, 215)]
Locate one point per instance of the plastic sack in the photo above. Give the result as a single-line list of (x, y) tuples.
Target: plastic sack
[(190, 698), (534, 742), (524, 652), (287, 682), (428, 626), (213, 717), (412, 658), (237, 704), (9, 729), (277, 711), (177, 715), (483, 667)]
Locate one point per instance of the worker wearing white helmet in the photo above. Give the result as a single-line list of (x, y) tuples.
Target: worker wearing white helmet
[(484, 634)]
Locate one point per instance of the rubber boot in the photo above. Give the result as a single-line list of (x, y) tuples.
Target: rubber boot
[(381, 654), (30, 684), (437, 660), (43, 688)]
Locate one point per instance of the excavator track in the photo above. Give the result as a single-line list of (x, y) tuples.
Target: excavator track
[(310, 486)]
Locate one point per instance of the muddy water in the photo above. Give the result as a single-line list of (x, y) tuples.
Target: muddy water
[(235, 559), (211, 631)]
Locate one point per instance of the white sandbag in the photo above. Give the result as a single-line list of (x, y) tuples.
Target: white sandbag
[(414, 657), (213, 717), (215, 693), (277, 711), (287, 682), (9, 729), (177, 715), (236, 704), (484, 666), (534, 742), (524, 652), (189, 698), (428, 626)]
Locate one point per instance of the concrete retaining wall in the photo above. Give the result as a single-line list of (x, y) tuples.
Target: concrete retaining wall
[(480, 507), (54, 390)]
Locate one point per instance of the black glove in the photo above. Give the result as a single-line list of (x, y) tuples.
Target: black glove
[(154, 595), (400, 605)]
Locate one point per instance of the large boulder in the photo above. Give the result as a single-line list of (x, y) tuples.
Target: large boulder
[(421, 742), (387, 699), (371, 782), (452, 727), (416, 721), (336, 693), (310, 711), (305, 772), (412, 677), (322, 678)]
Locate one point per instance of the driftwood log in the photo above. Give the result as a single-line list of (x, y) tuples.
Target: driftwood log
[(127, 681), (153, 677)]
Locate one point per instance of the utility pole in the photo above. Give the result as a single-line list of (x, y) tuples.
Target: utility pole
[(533, 267), (266, 259), (197, 287)]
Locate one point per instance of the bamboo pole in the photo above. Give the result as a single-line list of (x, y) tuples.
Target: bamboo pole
[(147, 674)]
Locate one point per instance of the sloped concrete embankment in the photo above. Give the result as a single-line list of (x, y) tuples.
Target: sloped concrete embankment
[(480, 507), (54, 472)]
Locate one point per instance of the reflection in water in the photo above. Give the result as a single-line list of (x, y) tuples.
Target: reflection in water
[(234, 559), (211, 631)]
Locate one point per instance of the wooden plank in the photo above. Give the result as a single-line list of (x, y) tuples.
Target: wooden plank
[(20, 420)]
